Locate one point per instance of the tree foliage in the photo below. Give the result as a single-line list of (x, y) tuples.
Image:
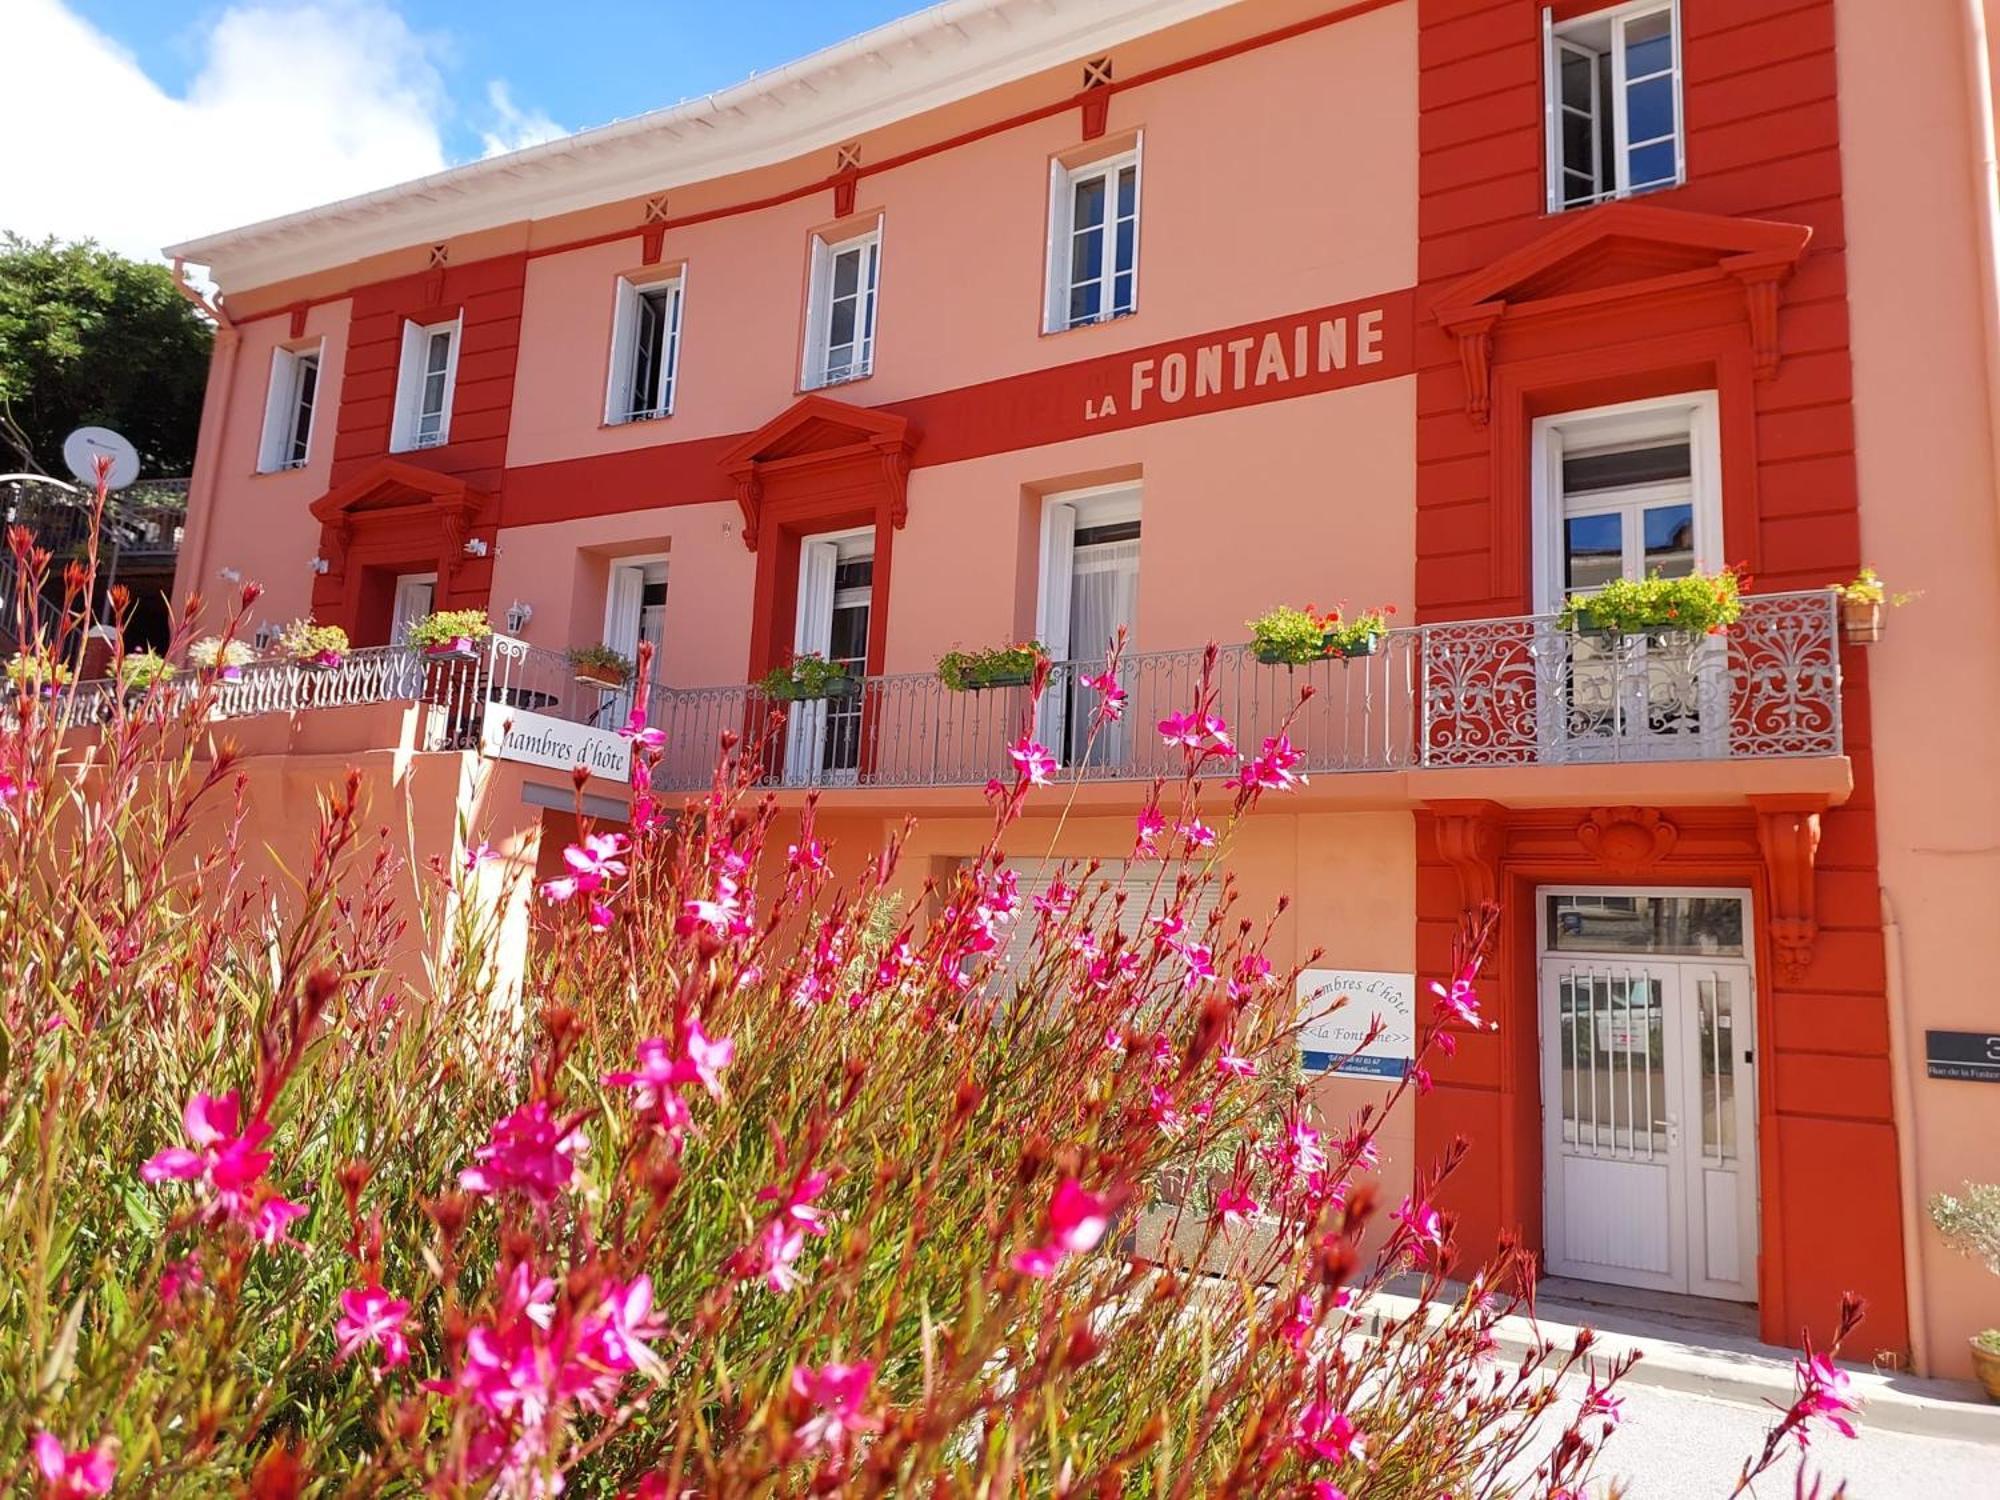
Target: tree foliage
[(87, 336)]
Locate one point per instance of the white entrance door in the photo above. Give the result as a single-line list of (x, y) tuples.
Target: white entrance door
[(416, 596), (1648, 1104)]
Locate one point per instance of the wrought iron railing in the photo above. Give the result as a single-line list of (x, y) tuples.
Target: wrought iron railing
[(1474, 693)]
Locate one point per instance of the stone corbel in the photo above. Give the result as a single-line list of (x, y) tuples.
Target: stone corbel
[(1473, 329), (1470, 838), (1788, 835), (896, 477), (1761, 276), (750, 500)]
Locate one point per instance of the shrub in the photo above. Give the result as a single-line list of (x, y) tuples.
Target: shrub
[(1697, 604), (963, 671), (1357, 637), (447, 625), (762, 1184), (1970, 1222)]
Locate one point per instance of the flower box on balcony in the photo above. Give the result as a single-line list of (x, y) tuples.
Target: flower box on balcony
[(450, 635), (220, 660), (1002, 666), (1861, 606), (1656, 608), (807, 678), (312, 647), (600, 666), (320, 661), (1291, 637)]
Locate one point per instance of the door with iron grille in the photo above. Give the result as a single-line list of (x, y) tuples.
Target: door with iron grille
[(1648, 1104)]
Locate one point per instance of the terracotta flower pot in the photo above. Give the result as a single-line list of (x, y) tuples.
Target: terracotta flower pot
[(1860, 622), (1986, 1368), (604, 677)]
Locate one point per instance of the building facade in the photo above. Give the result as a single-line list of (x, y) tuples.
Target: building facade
[(1041, 320)]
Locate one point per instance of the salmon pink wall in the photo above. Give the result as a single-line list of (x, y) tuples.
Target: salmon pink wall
[(1331, 480), (1922, 394), (258, 523), (1246, 212)]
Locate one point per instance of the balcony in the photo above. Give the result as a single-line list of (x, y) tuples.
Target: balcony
[(1477, 694), (1465, 696)]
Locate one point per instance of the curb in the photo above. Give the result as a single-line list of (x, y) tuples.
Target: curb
[(1748, 1373)]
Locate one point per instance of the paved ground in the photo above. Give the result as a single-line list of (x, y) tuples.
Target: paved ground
[(1676, 1446)]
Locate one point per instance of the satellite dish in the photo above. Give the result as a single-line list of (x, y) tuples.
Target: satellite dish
[(84, 447)]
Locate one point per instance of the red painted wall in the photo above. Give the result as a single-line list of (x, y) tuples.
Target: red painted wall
[(1763, 142)]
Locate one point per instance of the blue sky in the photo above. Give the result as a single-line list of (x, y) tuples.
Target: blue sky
[(209, 115)]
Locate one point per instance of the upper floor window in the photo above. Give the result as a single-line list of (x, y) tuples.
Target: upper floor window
[(1626, 492), (288, 410), (1613, 110), (424, 385), (840, 312), (1093, 241), (645, 351)]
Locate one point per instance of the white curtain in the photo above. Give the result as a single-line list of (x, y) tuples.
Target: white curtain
[(805, 738), (1103, 598)]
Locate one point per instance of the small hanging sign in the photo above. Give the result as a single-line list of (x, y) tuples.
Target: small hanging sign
[(1326, 1039)]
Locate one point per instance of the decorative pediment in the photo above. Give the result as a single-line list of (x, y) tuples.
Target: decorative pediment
[(813, 438), (390, 489), (1620, 252)]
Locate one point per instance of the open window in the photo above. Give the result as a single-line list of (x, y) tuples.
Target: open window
[(425, 381), (835, 610), (635, 605), (1612, 109), (289, 403), (645, 350), (840, 309), (1093, 272), (1088, 592)]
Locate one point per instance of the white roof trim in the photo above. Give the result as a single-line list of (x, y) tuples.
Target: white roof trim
[(949, 52)]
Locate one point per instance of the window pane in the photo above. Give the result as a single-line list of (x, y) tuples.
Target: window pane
[(1576, 74), (846, 273), (1579, 135), (1655, 463), (1122, 300), (1128, 191), (1086, 258), (1649, 45), (1089, 204), (1611, 923), (841, 323), (438, 354), (1652, 165), (1084, 301), (1649, 109), (1593, 550), (1126, 232), (1669, 533)]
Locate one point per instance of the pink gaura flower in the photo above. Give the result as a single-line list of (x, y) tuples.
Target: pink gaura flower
[(778, 1250), (1166, 1115), (641, 735), (1077, 1221), (271, 1221), (796, 1200), (84, 1471), (1208, 733), (231, 1164), (1151, 824), (1599, 1402), (1111, 697), (1460, 1002), (1272, 770), (700, 1059), (1235, 1205), (369, 1315), (591, 864), (809, 856), (1034, 762), (1326, 1489), (1232, 1066), (1426, 1227), (181, 1275), (1197, 833), (1824, 1392), (1324, 1433), (528, 1152), (836, 1393), (477, 855), (1056, 901)]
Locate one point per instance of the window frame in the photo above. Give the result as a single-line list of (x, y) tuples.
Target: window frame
[(412, 372), (280, 434), (816, 363), (629, 298), (1064, 178), (1557, 35), (1624, 422)]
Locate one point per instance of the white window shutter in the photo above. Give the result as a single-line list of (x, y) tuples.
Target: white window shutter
[(1057, 311), (814, 629), (278, 404), (618, 402), (1052, 609), (409, 386), (1551, 125), (819, 286), (621, 609), (451, 377)]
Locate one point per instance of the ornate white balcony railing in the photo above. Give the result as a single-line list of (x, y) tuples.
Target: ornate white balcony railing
[(1475, 693)]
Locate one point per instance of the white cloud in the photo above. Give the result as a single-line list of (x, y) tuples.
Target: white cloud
[(513, 126), (293, 104)]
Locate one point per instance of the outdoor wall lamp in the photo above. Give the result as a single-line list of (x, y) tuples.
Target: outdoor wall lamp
[(321, 565), (518, 615), (475, 546), (230, 575)]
